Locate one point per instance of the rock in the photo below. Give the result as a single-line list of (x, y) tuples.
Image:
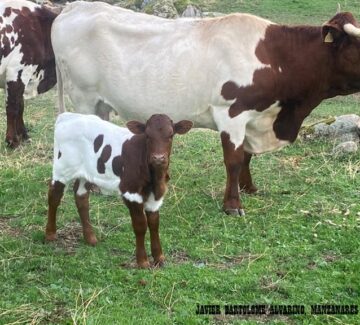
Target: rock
[(192, 11), (345, 128), (345, 148), (163, 8)]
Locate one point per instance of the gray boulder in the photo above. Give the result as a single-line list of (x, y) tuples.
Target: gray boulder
[(192, 11), (345, 148), (345, 128)]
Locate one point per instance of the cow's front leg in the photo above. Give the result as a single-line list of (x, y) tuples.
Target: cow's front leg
[(156, 250), (14, 102), (82, 204), (245, 180), (139, 224), (20, 125), (233, 159)]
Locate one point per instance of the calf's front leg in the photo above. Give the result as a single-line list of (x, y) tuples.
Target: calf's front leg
[(139, 224), (156, 250), (233, 159)]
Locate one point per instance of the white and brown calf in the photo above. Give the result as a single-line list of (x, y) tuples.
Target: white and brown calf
[(133, 164)]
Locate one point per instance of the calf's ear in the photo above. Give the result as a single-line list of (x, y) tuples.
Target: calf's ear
[(136, 127), (182, 127)]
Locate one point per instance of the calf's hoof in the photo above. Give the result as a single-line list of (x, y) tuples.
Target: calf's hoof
[(12, 143), (235, 212), (252, 189), (91, 240), (51, 236), (143, 264), (159, 262)]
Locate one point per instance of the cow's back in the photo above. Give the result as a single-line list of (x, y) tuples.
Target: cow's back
[(140, 64)]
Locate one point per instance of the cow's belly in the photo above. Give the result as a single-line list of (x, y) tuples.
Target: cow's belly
[(259, 132)]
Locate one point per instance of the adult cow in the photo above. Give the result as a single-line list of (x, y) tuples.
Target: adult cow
[(251, 79), (27, 63)]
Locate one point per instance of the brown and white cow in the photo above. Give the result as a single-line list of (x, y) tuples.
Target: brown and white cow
[(253, 80), (133, 164), (27, 63)]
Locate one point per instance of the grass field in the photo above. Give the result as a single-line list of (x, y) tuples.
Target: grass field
[(297, 245)]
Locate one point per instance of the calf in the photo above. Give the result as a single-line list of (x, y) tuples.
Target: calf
[(133, 164)]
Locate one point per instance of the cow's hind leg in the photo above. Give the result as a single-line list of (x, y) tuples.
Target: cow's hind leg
[(139, 224), (20, 125), (233, 159), (14, 107), (82, 203), (156, 250), (245, 180), (55, 193)]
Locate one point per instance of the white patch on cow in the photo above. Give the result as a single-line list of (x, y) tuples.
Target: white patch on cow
[(235, 127), (259, 135), (133, 197), (252, 128), (153, 205), (81, 189), (280, 70), (74, 138)]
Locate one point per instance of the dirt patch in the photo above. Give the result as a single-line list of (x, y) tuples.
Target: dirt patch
[(69, 237), (178, 257), (6, 229)]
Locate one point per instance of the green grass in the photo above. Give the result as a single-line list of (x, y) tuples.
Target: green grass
[(298, 243)]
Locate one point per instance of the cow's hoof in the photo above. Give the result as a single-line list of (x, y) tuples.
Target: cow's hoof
[(235, 212)]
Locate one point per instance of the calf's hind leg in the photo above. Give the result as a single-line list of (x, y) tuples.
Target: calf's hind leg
[(156, 250), (82, 203), (55, 193)]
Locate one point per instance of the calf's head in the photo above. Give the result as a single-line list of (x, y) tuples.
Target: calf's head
[(159, 131)]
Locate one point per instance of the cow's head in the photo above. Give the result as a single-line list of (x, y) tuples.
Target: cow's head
[(159, 131), (342, 34)]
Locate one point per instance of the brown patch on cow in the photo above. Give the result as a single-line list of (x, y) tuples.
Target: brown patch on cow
[(9, 28), (7, 12), (59, 154), (104, 157), (117, 166), (98, 142), (134, 161)]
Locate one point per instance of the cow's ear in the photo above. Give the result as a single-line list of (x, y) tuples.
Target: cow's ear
[(182, 127), (331, 33), (136, 127)]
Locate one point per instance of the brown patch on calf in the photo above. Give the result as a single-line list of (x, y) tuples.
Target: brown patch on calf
[(117, 166), (98, 142), (59, 154), (104, 157)]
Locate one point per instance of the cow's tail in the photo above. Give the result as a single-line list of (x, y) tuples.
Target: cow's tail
[(60, 87)]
